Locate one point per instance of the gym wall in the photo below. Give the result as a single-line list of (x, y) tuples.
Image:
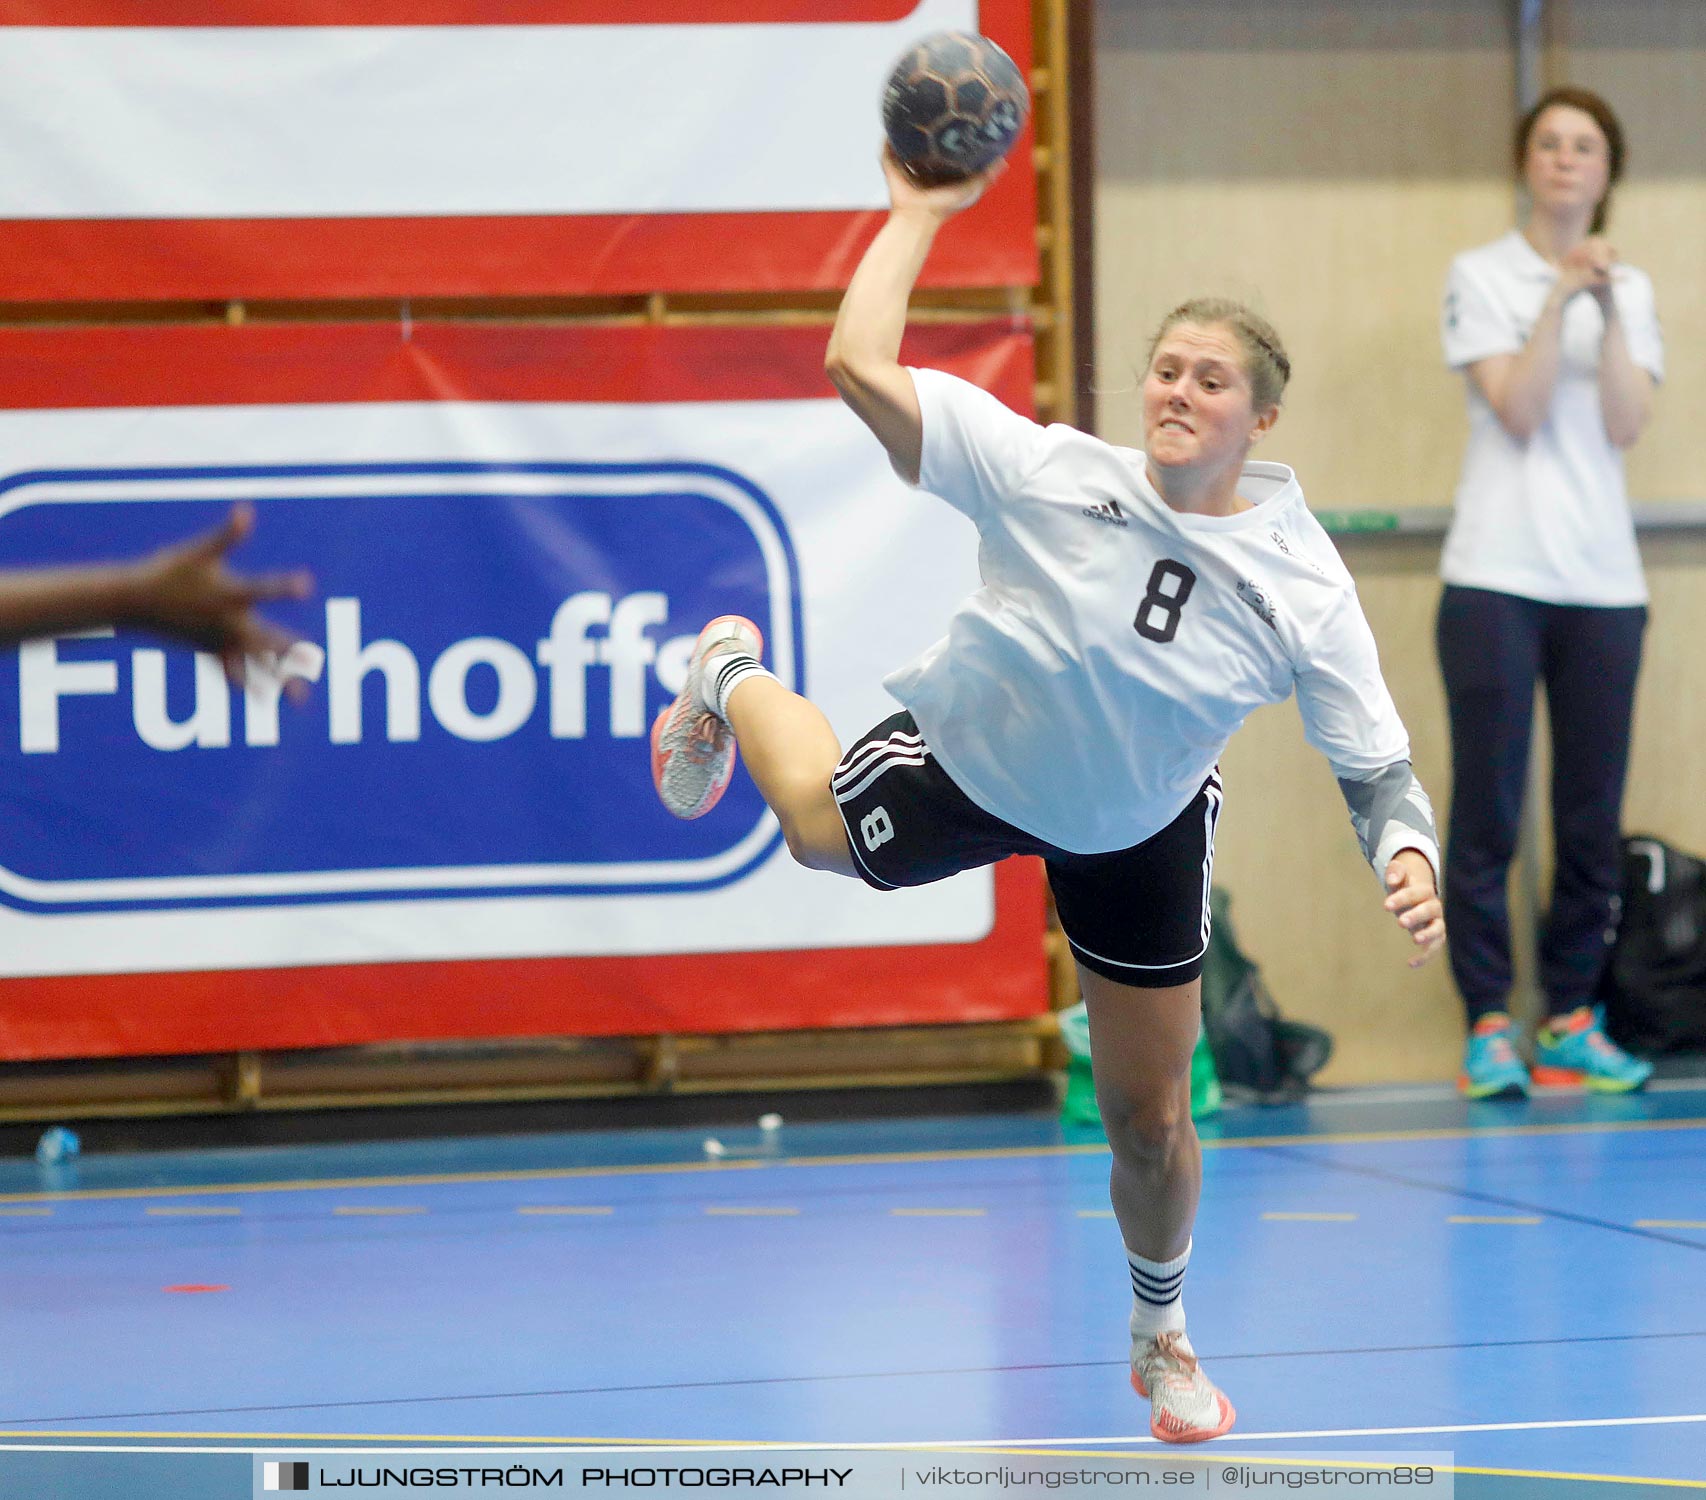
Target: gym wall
[(1325, 165)]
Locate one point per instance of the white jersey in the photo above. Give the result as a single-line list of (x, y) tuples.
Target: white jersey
[(1548, 518), (1085, 692)]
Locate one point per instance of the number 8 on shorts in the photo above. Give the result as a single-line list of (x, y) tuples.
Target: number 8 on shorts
[(875, 828)]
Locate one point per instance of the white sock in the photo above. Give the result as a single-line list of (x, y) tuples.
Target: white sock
[(725, 672), (1157, 1305)]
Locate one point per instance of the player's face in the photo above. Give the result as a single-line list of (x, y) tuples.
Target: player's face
[(1197, 405), (1568, 165)]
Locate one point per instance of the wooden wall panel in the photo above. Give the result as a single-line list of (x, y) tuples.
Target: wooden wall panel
[(1648, 58), (1324, 170), (1324, 163)]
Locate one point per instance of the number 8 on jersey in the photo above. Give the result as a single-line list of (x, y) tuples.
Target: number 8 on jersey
[(1170, 585)]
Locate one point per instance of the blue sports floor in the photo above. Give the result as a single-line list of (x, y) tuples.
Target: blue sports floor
[(1523, 1287)]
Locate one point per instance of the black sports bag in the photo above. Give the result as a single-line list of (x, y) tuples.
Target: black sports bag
[(1654, 987)]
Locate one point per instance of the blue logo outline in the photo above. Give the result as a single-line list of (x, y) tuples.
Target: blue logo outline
[(750, 851)]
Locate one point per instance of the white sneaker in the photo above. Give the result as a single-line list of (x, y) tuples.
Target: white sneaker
[(693, 751), (1185, 1406)]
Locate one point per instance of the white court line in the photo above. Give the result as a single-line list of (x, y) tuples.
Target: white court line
[(529, 1445), (1340, 1432), (309, 1445)]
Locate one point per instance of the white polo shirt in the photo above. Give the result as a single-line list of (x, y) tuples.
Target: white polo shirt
[(1549, 518), (1085, 692)]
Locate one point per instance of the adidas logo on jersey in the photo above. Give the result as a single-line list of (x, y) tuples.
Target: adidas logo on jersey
[(1109, 511)]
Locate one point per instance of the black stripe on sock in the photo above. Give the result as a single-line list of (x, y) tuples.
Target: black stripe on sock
[(1155, 1301), (1158, 1284), (737, 659)]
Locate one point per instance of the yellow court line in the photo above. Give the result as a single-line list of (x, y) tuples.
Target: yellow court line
[(560, 1208), (487, 1440), (938, 1213), (1670, 1223), (1493, 1219), (872, 1159), (753, 1213), (374, 1211), (1169, 1454), (177, 1211), (1675, 1484), (1274, 1460), (1223, 1456), (1303, 1218)]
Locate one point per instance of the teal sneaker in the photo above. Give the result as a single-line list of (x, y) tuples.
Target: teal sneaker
[(1491, 1068), (1572, 1050)]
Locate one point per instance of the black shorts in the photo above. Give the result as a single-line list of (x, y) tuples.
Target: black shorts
[(1138, 915)]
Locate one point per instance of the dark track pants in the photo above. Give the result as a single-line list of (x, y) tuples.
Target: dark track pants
[(1492, 649)]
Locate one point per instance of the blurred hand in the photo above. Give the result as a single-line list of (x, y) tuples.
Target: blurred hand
[(1587, 268), (943, 201), (187, 591), (1411, 898)]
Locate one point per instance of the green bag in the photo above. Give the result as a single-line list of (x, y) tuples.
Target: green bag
[(1078, 1107)]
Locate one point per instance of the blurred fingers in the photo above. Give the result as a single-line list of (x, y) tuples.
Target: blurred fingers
[(268, 586), (1409, 894), (1417, 917), (1430, 939), (238, 523), (233, 659)]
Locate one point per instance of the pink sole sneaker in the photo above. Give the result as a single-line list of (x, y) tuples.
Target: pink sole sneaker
[(1171, 1426), (693, 751)]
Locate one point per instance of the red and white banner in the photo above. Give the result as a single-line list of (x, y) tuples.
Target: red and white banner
[(515, 534), (295, 148)]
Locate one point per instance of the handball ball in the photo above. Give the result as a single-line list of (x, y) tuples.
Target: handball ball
[(954, 105)]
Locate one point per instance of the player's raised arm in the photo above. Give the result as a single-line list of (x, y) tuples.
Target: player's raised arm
[(863, 361)]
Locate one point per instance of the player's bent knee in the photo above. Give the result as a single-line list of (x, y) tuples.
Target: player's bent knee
[(817, 840), (801, 844), (1151, 1130)]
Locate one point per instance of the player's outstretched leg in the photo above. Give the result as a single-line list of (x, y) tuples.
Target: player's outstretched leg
[(693, 752), (790, 748), (1141, 1040)]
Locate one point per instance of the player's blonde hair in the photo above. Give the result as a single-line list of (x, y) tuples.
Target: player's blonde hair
[(1266, 364)]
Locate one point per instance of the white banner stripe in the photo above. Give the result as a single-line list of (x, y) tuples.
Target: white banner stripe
[(358, 121)]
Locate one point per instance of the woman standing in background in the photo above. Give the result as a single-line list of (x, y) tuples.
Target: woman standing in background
[(1559, 344)]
